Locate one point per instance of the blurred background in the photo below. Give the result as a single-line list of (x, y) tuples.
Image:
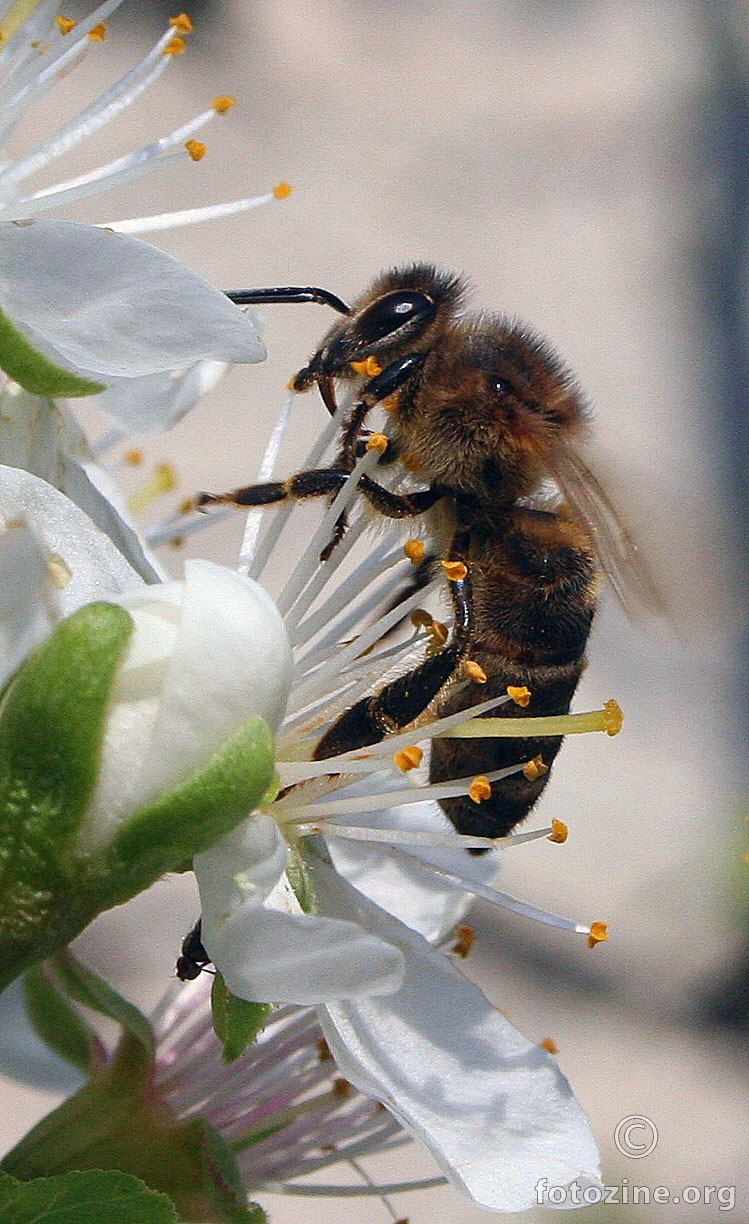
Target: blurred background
[(585, 163)]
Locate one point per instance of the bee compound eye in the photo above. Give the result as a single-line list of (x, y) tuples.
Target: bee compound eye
[(393, 311)]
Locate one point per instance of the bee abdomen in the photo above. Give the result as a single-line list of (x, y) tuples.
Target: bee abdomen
[(512, 798)]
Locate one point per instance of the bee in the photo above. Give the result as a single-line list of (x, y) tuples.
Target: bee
[(482, 412), (193, 958)]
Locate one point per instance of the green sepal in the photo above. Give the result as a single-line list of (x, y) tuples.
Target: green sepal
[(87, 988), (300, 879), (93, 1197), (52, 722), (117, 1121), (58, 1024), (236, 1022), (35, 372), (192, 816)]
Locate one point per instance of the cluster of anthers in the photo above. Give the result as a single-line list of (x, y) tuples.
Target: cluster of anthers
[(380, 796)]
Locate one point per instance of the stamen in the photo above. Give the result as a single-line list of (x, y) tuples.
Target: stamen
[(99, 32), (183, 23), (473, 671), (559, 832), (480, 789), (175, 46), (398, 837), (414, 550), (549, 1045), (187, 216), (196, 149), (223, 103), (456, 571), (369, 368), (466, 938), (65, 24), (598, 933), (535, 769), (164, 480), (519, 694), (377, 442), (408, 758), (282, 191), (607, 720)]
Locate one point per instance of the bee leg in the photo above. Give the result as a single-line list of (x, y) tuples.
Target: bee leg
[(318, 482), (404, 699)]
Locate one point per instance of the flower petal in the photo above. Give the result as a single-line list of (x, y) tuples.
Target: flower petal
[(112, 305), (90, 567), (155, 402), (493, 1108), (397, 883), (25, 618), (267, 955), (41, 436)]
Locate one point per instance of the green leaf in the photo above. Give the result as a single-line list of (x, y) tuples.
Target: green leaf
[(58, 1024), (195, 814), (93, 1197), (86, 987), (235, 1021), (35, 372)]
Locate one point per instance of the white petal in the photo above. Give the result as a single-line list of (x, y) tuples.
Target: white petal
[(25, 617), (108, 304), (94, 567), (398, 884), (268, 955), (41, 436), (494, 1109), (155, 402)]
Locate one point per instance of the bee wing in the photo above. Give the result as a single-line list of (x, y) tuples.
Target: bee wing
[(618, 554)]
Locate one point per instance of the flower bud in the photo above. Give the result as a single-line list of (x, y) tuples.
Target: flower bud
[(132, 738)]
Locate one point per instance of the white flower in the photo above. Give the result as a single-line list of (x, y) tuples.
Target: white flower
[(492, 1107), (105, 307)]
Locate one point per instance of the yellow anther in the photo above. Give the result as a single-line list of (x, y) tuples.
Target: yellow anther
[(223, 103), (456, 571), (474, 671), (59, 572), (408, 758), (368, 368), (438, 635), (535, 769), (196, 149), (465, 939), (187, 506), (164, 480), (282, 191), (378, 442), (559, 832), (480, 789), (519, 694), (599, 933), (550, 1045), (414, 550), (183, 23), (175, 46), (420, 618), (133, 457), (612, 717), (99, 32), (65, 24)]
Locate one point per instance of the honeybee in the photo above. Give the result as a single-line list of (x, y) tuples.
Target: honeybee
[(482, 413)]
